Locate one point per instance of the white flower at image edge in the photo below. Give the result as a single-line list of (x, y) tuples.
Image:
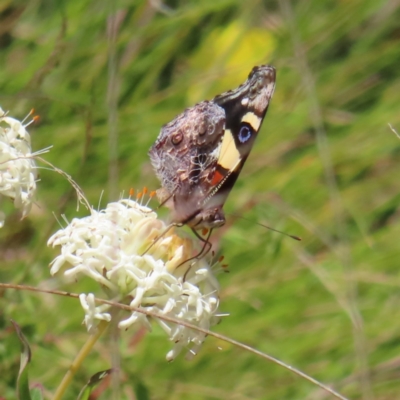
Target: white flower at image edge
[(110, 246), (17, 168)]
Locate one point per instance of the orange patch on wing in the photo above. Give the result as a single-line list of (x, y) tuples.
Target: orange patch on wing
[(217, 178)]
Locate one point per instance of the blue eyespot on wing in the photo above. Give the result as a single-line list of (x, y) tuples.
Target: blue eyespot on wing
[(245, 133)]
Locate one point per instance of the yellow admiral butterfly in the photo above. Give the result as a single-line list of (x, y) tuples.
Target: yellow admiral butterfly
[(199, 155)]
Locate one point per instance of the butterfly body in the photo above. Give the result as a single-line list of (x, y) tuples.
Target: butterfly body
[(198, 156)]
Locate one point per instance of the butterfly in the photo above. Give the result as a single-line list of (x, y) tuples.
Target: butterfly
[(199, 154)]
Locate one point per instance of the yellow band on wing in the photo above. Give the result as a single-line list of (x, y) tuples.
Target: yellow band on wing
[(253, 120), (229, 155)]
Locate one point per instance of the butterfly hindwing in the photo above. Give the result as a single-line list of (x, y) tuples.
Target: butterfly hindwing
[(185, 157)]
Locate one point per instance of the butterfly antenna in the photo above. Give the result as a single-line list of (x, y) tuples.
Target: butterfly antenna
[(278, 231), (268, 227)]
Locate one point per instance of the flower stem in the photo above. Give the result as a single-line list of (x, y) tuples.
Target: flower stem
[(84, 352)]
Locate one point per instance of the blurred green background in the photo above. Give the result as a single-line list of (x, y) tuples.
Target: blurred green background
[(104, 76)]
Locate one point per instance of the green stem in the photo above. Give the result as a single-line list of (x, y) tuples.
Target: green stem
[(85, 350)]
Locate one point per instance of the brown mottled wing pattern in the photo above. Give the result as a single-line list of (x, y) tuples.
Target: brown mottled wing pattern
[(185, 157)]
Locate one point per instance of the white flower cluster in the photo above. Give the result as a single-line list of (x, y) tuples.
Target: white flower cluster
[(17, 167), (117, 248)]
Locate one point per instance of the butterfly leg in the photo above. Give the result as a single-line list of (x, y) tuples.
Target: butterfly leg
[(205, 241), (160, 236), (200, 254)]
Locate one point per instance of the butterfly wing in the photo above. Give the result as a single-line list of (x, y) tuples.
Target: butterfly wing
[(198, 156), (185, 157), (245, 109)]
